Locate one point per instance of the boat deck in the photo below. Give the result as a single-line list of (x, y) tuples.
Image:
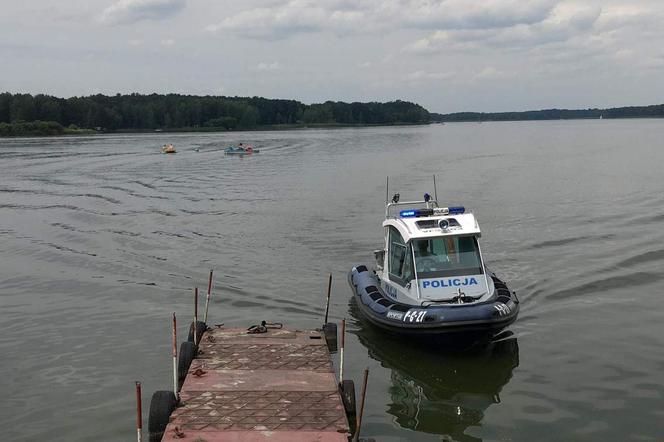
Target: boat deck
[(277, 386)]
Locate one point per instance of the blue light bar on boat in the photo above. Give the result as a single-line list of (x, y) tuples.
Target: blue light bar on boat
[(457, 210), (412, 213)]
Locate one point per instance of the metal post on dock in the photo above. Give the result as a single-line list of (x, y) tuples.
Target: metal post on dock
[(341, 351), (175, 359), (362, 397), (195, 315), (139, 413), (327, 304), (207, 300)]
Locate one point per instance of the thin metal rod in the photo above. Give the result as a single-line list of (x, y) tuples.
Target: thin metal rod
[(486, 277), (341, 351), (139, 413), (417, 280), (207, 300), (329, 290), (387, 190), (175, 358), (435, 189), (400, 203), (362, 397), (195, 315)]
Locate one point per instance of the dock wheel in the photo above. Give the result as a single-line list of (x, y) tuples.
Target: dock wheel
[(161, 406), (201, 327), (187, 354), (330, 332), (348, 396)]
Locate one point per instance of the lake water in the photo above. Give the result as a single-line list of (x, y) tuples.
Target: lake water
[(102, 238)]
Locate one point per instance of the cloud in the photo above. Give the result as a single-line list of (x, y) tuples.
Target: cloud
[(369, 16), (294, 17), (489, 72), (464, 14), (424, 76), (131, 11), (435, 42), (565, 21), (268, 67), (619, 16)]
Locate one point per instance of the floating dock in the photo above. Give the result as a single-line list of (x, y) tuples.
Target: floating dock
[(276, 385), (263, 383)]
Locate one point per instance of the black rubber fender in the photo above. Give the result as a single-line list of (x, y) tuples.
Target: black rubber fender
[(330, 332), (201, 327), (161, 406), (347, 390), (187, 354)]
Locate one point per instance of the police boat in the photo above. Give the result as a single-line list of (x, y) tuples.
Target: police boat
[(430, 278)]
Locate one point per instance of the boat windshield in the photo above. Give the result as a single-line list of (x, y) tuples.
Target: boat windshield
[(447, 256)]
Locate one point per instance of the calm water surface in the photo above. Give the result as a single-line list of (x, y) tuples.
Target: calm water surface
[(101, 238)]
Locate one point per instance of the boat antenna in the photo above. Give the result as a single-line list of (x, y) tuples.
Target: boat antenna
[(435, 191), (387, 190)]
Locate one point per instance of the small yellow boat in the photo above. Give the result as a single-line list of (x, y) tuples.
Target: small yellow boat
[(168, 148)]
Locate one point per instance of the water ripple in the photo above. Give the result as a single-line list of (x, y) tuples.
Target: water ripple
[(103, 238)]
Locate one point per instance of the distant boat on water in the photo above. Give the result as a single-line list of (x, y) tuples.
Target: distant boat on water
[(168, 148), (241, 149)]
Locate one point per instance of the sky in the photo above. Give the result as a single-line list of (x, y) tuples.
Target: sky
[(447, 55)]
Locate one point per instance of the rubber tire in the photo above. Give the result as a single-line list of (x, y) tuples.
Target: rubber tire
[(348, 396), (201, 327), (330, 332), (161, 406), (187, 354)]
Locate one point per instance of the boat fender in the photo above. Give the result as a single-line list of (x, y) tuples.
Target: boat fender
[(161, 406), (330, 332), (187, 354), (347, 388), (201, 327)]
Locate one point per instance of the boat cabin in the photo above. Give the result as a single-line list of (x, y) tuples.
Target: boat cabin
[(431, 255)]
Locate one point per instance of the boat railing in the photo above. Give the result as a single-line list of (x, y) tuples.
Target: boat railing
[(391, 212)]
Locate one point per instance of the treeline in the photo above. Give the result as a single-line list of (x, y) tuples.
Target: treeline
[(22, 128), (174, 111), (656, 110), (25, 128)]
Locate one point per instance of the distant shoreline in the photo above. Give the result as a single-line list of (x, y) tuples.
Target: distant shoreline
[(651, 111), (92, 132), (26, 114)]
